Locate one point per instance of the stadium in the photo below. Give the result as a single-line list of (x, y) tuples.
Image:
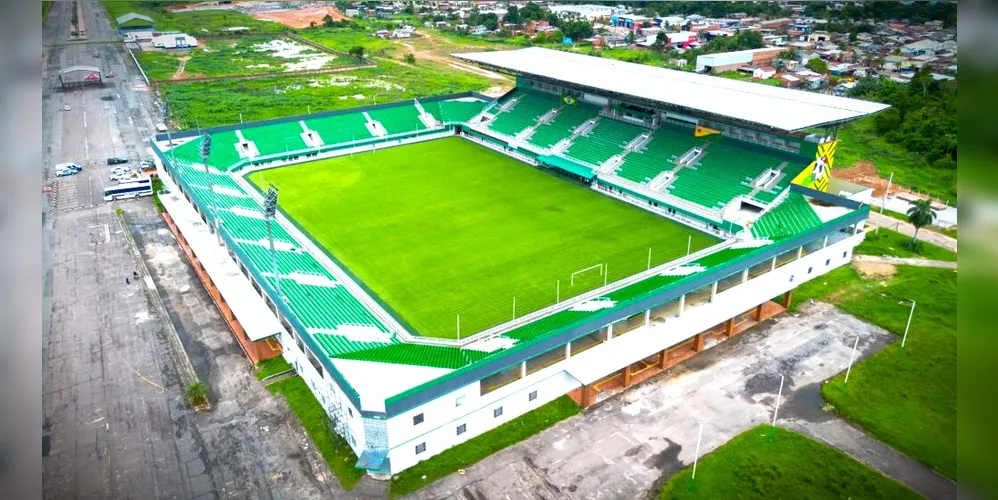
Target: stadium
[(438, 267)]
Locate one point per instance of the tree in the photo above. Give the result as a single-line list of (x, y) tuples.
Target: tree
[(311, 24), (512, 15), (327, 21), (853, 36), (661, 40), (920, 215), (357, 51), (630, 37), (410, 58), (817, 65)]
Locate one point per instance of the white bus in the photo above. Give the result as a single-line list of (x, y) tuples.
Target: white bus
[(134, 189)]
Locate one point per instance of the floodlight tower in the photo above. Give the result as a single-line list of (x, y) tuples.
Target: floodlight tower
[(205, 153), (269, 211)]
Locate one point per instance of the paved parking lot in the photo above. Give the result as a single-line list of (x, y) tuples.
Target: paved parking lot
[(631, 443)]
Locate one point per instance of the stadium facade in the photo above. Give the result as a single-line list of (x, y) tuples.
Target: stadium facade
[(744, 162)]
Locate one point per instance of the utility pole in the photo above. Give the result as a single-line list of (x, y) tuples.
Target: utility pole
[(884, 202), (205, 153), (269, 211)]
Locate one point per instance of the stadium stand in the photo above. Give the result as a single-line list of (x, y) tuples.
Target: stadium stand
[(398, 119), (276, 138), (345, 127), (723, 173), (608, 138), (524, 113), (657, 156), (793, 215), (562, 126), (326, 307), (454, 110), (223, 150)]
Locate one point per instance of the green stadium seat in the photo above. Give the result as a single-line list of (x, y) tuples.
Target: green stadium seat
[(608, 138)]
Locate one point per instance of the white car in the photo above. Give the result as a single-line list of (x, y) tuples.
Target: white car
[(65, 108)]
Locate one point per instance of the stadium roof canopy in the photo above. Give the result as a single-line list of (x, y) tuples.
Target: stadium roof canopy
[(779, 108)]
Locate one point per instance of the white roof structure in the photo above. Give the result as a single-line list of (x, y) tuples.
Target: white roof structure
[(779, 108)]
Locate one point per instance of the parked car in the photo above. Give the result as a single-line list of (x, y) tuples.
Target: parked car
[(160, 127), (145, 165), (68, 166), (63, 172), (110, 74), (66, 108), (115, 160)]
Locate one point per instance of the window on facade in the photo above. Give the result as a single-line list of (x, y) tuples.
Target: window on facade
[(459, 401), (828, 262), (809, 270), (461, 428), (421, 447), (497, 412), (418, 419), (350, 412), (791, 278), (532, 396), (843, 255)]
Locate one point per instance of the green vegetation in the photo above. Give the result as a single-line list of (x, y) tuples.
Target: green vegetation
[(479, 447), (907, 400), (196, 393), (231, 57), (745, 77), (46, 7), (343, 39), (195, 23), (789, 466), (447, 227), (272, 366), (920, 122), (891, 243), (859, 142), (220, 103), (158, 65), (157, 186), (951, 232), (333, 448)]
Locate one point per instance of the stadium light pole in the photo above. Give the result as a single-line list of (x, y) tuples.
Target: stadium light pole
[(649, 258), (269, 211), (776, 409), (557, 297), (908, 325), (205, 153), (852, 357), (459, 327), (884, 202), (689, 244), (696, 454)]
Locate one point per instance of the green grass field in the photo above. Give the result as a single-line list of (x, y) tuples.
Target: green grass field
[(907, 400), (446, 228), (789, 466), (892, 243)]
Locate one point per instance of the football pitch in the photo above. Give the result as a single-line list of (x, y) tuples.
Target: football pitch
[(447, 227)]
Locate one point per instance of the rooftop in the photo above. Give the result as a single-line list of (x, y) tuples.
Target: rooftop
[(774, 107)]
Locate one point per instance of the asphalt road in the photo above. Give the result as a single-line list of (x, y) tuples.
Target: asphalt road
[(115, 421)]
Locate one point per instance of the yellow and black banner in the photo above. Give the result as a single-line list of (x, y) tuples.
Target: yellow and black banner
[(701, 131), (817, 174)]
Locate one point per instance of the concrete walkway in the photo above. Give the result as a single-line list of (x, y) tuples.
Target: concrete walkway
[(906, 228), (630, 444), (852, 441), (942, 264)]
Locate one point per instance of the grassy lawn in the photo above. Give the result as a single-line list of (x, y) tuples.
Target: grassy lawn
[(159, 65), (343, 39), (272, 366), (219, 103), (196, 23), (479, 447), (745, 77), (859, 142), (891, 243), (436, 242), (331, 446), (790, 466), (906, 400)]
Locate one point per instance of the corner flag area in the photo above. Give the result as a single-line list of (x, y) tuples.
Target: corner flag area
[(449, 228)]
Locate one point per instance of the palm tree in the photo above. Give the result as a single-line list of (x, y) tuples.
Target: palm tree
[(919, 215)]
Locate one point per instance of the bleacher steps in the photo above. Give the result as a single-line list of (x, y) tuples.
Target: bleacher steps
[(661, 180), (311, 138), (374, 127), (245, 149)]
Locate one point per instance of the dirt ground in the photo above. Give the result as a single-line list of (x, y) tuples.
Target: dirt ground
[(873, 269), (300, 18), (864, 174)]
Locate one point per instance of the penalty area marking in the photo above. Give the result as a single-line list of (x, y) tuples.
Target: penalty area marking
[(590, 268)]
